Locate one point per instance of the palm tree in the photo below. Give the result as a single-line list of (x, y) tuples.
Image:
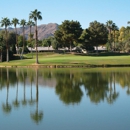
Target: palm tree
[(30, 23), (114, 28), (35, 15), (23, 23), (15, 21), (109, 24), (1, 47), (5, 22)]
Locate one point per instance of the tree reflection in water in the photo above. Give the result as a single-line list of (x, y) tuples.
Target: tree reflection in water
[(24, 101), (112, 96), (31, 100), (98, 86), (68, 88), (16, 103), (7, 107), (37, 116)]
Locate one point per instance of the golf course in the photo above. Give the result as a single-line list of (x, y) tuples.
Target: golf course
[(51, 59)]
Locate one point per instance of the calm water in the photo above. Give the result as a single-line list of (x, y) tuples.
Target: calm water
[(65, 99)]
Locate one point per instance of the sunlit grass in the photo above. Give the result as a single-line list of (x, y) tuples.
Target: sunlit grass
[(60, 59)]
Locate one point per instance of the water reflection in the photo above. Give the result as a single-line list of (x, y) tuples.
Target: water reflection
[(69, 84), (16, 103), (6, 106), (37, 115), (31, 101), (68, 87), (96, 86), (113, 95)]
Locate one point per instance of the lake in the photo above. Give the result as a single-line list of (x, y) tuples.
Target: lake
[(65, 99)]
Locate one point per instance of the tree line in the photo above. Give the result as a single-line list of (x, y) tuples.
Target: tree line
[(5, 39), (69, 34)]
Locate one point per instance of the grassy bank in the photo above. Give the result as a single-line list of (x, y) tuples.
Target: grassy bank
[(54, 59)]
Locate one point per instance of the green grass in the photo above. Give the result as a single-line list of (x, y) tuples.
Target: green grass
[(69, 59)]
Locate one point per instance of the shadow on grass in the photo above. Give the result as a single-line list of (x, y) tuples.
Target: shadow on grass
[(18, 58), (104, 54)]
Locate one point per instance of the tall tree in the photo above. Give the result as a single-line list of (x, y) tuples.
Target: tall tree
[(114, 28), (5, 22), (70, 32), (23, 23), (58, 37), (15, 21), (98, 34), (122, 34), (30, 24), (54, 43), (124, 39), (47, 42), (84, 40), (1, 47), (36, 15), (109, 24)]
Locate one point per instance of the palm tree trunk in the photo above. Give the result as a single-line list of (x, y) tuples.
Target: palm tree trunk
[(7, 47), (30, 33), (36, 43), (23, 44), (31, 41), (110, 39), (1, 56), (114, 41), (70, 47), (16, 40)]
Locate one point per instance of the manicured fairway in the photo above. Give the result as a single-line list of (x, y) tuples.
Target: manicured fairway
[(69, 59)]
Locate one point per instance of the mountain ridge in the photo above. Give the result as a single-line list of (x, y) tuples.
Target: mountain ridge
[(44, 30)]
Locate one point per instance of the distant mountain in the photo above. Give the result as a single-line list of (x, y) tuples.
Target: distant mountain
[(44, 30)]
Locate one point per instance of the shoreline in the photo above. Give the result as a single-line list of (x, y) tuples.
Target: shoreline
[(66, 66)]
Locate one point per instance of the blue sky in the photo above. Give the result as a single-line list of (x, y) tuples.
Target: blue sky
[(56, 11)]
